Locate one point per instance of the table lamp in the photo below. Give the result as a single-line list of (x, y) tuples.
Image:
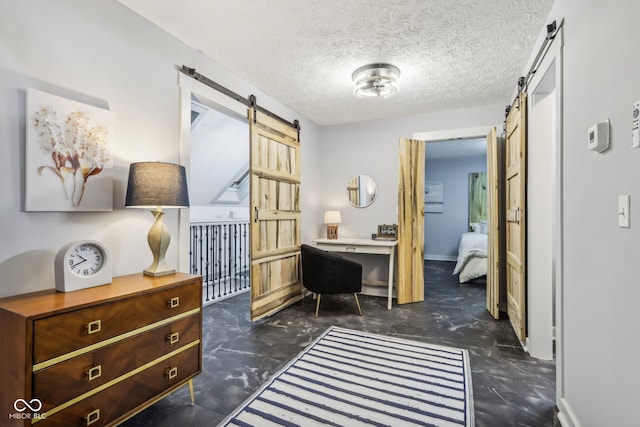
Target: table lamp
[(157, 185), (332, 219)]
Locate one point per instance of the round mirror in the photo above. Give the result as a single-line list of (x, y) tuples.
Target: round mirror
[(361, 191)]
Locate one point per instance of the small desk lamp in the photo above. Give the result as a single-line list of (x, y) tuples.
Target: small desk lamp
[(332, 219), (155, 185)]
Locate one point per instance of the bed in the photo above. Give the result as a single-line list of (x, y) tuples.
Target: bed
[(472, 257)]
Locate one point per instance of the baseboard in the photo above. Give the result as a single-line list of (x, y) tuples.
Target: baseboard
[(440, 258), (565, 415)]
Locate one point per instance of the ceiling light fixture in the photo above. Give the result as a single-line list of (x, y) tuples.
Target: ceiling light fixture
[(376, 80)]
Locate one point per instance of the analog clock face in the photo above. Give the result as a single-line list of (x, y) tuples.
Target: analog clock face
[(85, 259)]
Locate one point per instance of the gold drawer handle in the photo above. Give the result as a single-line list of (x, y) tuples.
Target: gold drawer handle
[(94, 372), (173, 338), (93, 327), (174, 302), (92, 417), (171, 373)]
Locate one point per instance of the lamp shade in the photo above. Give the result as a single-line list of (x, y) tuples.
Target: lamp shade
[(153, 184), (332, 217)]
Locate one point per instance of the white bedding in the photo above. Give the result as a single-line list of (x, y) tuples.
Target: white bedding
[(472, 256)]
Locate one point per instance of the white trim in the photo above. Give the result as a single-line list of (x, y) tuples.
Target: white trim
[(552, 58), (227, 103), (184, 117), (464, 133), (188, 86), (566, 416), (541, 189)]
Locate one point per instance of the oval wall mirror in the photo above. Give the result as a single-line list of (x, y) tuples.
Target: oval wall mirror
[(361, 191)]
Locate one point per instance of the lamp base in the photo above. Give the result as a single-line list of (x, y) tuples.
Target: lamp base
[(158, 272), (332, 231), (158, 239)]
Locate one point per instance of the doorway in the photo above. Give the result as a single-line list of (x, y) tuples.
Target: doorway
[(453, 169), (544, 205), (446, 139), (214, 232)]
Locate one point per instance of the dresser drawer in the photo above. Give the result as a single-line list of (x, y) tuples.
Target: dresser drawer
[(62, 334), (63, 381), (118, 401)]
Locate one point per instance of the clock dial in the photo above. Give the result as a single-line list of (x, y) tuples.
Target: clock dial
[(86, 259)]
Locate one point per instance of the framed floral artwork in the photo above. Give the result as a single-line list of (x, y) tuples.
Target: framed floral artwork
[(69, 159)]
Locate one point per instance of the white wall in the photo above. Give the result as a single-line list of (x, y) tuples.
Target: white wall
[(600, 288), (371, 148), (103, 54), (442, 230)]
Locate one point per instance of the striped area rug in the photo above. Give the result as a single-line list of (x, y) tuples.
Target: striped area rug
[(351, 378)]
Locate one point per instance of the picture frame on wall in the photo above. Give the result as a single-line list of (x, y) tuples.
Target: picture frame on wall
[(434, 192), (68, 155)]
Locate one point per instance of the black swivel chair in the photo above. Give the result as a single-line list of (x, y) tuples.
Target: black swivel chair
[(327, 273)]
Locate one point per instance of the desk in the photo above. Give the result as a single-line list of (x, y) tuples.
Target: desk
[(365, 246)]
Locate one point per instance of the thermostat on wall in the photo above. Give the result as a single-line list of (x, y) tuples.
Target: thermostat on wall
[(598, 136)]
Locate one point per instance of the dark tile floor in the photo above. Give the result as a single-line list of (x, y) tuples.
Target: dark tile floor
[(509, 388)]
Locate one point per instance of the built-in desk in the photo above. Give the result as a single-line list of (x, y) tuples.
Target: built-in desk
[(365, 246)]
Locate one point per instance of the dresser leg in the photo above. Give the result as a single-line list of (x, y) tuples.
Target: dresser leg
[(193, 399)]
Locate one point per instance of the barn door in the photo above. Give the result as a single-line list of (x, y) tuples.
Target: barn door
[(494, 187), (515, 187), (410, 287), (275, 215)]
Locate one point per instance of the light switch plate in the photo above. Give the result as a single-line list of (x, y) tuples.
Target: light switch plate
[(624, 218)]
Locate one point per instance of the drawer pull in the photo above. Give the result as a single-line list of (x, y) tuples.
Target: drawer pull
[(93, 327), (173, 338), (94, 372), (92, 417), (174, 302), (171, 373)]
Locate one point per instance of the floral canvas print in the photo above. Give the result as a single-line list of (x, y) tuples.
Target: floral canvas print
[(69, 160)]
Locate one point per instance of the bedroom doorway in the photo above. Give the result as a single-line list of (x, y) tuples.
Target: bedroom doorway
[(466, 155), (455, 197)]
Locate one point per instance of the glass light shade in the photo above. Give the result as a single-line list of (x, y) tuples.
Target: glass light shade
[(332, 217), (376, 80)]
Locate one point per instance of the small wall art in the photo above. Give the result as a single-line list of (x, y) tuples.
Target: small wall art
[(434, 196), (434, 192), (69, 160)]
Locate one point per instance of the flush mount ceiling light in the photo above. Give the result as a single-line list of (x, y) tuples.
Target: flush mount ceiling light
[(376, 80)]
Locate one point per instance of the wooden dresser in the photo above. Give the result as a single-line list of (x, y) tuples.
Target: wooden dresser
[(98, 356)]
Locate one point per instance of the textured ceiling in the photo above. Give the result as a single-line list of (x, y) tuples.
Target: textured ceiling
[(451, 53)]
